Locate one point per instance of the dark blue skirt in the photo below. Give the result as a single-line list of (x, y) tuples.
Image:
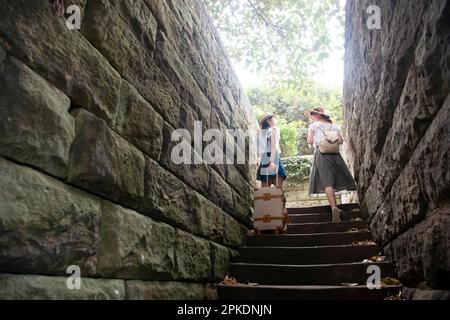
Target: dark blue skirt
[(265, 161)]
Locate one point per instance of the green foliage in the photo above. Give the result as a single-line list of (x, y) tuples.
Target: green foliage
[(298, 169), (291, 104), (288, 139), (285, 39)]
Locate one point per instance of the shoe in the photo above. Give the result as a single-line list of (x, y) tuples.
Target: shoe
[(336, 212)]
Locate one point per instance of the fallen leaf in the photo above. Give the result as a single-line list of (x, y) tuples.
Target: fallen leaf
[(354, 230), (228, 281), (390, 281), (350, 284), (364, 243), (396, 297), (378, 258)]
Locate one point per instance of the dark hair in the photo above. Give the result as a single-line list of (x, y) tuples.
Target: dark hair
[(327, 118), (265, 125)]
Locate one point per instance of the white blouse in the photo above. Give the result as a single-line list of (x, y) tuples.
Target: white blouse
[(319, 127), (264, 145)]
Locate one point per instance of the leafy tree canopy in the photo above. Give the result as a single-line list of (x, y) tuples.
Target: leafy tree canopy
[(285, 39)]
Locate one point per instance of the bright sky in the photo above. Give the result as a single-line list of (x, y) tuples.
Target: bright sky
[(332, 75)]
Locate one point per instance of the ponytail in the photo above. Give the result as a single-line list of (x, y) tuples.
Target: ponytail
[(327, 118)]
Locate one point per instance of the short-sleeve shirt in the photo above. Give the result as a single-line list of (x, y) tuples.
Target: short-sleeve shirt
[(264, 142), (319, 127)]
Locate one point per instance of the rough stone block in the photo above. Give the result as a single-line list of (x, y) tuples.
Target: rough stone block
[(433, 159), (195, 175), (192, 257), (220, 260), (45, 225), (221, 193), (235, 234), (140, 20), (43, 42), (208, 219), (35, 287), (243, 210), (138, 122), (422, 252), (139, 68), (172, 65), (166, 198), (36, 126), (133, 246), (104, 163), (167, 290)]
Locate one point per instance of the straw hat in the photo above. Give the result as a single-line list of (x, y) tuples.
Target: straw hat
[(265, 117), (317, 110)]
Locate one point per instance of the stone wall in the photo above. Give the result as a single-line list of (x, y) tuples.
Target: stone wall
[(397, 116), (85, 167)]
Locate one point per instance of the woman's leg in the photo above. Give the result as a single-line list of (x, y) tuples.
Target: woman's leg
[(270, 181), (329, 191), (280, 182), (335, 211)]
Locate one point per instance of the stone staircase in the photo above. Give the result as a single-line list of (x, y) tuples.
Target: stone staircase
[(316, 259)]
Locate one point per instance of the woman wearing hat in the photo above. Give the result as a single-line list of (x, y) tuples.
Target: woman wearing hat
[(271, 169), (329, 172)]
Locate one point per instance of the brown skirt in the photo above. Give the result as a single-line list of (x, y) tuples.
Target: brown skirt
[(329, 170)]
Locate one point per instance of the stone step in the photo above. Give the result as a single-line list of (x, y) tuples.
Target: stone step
[(322, 217), (320, 274), (307, 240), (322, 209), (276, 292), (325, 227), (307, 255)]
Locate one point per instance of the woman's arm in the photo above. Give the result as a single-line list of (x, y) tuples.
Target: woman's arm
[(341, 140), (310, 138), (273, 147)]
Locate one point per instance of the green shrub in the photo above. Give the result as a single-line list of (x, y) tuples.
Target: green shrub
[(298, 169)]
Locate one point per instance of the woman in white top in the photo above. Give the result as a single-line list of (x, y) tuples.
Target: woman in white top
[(329, 172), (270, 164)]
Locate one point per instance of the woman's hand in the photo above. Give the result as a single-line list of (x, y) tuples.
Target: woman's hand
[(341, 140), (272, 165)]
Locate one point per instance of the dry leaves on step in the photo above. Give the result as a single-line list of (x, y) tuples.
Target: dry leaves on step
[(228, 281), (375, 259), (356, 219), (350, 284), (396, 297), (355, 230), (378, 258), (363, 243), (389, 281)]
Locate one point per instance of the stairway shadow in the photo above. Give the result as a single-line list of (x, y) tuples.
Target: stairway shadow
[(315, 260)]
